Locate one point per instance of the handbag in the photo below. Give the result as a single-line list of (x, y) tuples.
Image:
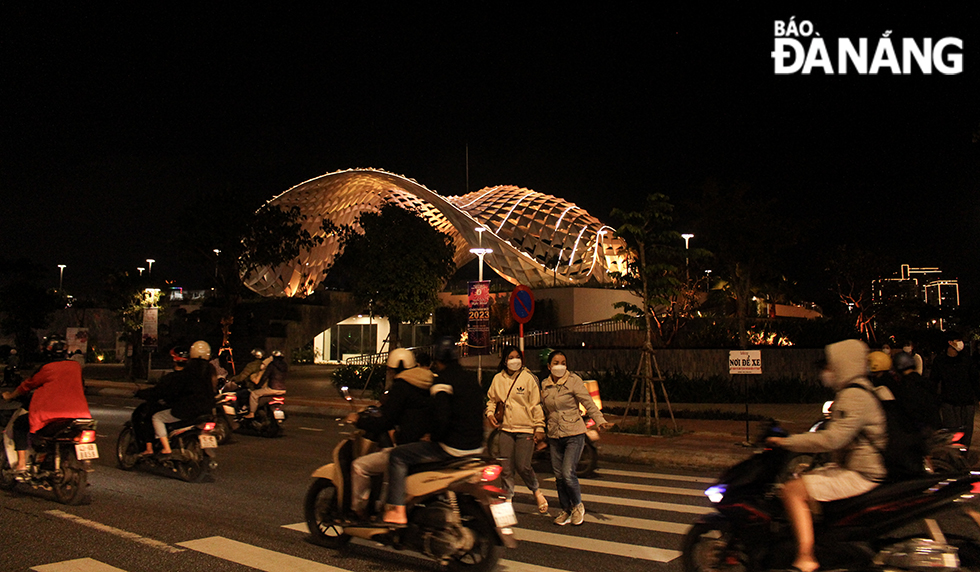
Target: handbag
[(498, 410)]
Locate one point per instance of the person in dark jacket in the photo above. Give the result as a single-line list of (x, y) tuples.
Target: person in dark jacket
[(955, 378), (457, 430), (144, 412), (189, 393), (406, 407)]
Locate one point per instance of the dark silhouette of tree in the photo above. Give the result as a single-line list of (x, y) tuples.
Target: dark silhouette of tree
[(393, 262), (25, 305)]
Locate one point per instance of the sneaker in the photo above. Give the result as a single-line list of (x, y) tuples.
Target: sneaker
[(578, 514), (563, 518)]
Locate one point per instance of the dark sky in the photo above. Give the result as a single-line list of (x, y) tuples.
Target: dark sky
[(114, 118)]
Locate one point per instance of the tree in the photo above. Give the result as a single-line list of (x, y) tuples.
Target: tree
[(852, 275), (746, 236), (394, 262), (25, 305)]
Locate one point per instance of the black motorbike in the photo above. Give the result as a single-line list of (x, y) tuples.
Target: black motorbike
[(892, 526), (232, 405), (58, 459), (193, 444)]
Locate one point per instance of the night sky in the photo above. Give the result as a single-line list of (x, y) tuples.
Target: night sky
[(116, 118)]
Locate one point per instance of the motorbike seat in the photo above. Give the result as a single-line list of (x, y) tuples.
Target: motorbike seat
[(878, 495), (189, 422), (453, 463), (56, 427)]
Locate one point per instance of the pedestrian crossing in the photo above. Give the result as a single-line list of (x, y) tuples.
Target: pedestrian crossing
[(616, 505)]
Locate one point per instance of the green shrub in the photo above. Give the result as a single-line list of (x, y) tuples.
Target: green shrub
[(370, 378)]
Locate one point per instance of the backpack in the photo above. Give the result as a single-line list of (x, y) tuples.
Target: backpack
[(906, 447)]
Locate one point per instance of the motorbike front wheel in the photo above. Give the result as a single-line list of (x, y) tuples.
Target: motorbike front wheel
[(70, 487), (710, 547), (483, 555), (323, 518), (127, 449)]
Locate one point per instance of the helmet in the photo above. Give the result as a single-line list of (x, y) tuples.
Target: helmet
[(903, 361), (445, 350), (879, 361), (276, 353), (200, 350), (258, 353), (180, 353), (55, 346), (400, 358)]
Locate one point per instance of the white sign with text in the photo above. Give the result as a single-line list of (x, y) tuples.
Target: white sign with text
[(745, 362)]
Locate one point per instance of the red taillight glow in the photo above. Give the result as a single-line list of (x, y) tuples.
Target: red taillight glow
[(87, 436), (279, 400), (590, 423), (209, 426), (491, 472), (976, 488), (957, 436)]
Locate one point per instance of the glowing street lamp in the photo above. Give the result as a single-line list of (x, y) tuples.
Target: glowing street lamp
[(141, 269), (481, 252), (61, 275), (149, 270), (217, 252), (687, 245)]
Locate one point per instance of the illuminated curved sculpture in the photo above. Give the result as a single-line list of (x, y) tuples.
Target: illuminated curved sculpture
[(538, 240)]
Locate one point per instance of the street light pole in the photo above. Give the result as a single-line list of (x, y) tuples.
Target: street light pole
[(61, 275), (480, 252), (217, 252), (687, 243), (149, 270)]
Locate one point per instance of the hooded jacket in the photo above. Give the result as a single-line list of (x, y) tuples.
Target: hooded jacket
[(522, 407), (857, 430), (407, 407)]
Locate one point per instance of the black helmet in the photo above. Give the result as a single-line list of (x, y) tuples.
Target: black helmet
[(903, 361), (445, 350), (55, 347)]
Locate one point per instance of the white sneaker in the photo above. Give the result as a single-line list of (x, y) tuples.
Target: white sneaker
[(578, 514), (563, 518)]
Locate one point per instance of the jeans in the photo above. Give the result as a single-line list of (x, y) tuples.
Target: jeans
[(403, 457), (565, 455), (516, 450), (362, 469), (160, 420)]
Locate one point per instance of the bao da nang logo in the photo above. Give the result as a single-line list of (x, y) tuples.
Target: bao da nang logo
[(800, 49)]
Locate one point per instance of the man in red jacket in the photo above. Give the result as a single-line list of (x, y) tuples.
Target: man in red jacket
[(58, 394)]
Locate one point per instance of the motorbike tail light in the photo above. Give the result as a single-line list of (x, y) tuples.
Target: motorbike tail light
[(491, 472), (209, 426), (87, 436), (957, 436), (277, 400), (976, 488)]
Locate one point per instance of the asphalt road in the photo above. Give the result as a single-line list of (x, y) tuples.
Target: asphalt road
[(250, 517)]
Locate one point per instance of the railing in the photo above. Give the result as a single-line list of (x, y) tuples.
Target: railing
[(578, 335)]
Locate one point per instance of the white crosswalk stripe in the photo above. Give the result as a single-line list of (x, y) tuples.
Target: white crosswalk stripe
[(639, 488), (77, 565), (255, 557)]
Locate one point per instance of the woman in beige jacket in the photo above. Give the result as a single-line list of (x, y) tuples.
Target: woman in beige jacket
[(522, 426), (561, 393)]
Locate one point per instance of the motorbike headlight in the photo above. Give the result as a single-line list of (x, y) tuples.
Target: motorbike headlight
[(716, 493)]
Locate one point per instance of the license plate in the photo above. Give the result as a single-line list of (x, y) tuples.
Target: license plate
[(503, 514), (208, 441), (86, 451), (279, 414)]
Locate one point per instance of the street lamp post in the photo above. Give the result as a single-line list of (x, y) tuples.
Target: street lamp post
[(687, 244), (61, 275), (149, 270), (141, 269), (217, 252), (480, 252)]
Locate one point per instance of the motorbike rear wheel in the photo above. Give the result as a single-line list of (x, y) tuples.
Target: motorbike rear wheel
[(270, 427), (485, 553), (222, 427), (710, 547), (7, 480), (127, 449), (70, 487), (192, 467), (322, 509)]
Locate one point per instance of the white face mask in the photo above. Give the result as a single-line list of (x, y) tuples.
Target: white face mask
[(558, 370), (827, 378), (958, 345), (514, 364)]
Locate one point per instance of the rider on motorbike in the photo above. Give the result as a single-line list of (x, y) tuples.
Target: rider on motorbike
[(272, 382), (189, 393), (255, 366), (406, 407), (58, 394), (856, 433), (144, 412), (457, 430)]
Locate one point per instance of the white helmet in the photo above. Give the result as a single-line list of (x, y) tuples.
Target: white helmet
[(200, 349), (257, 353), (400, 358)]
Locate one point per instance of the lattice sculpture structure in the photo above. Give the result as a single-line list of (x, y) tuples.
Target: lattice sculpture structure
[(538, 240)]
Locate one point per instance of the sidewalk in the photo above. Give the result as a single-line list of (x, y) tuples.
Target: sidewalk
[(700, 444)]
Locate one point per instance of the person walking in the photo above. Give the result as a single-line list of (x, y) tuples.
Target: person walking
[(561, 394), (514, 406), (955, 379)]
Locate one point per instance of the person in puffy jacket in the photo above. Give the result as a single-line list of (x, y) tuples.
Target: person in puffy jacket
[(516, 390), (561, 393), (856, 434), (272, 382)]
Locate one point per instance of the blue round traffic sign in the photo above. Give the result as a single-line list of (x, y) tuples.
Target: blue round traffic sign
[(522, 304)]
